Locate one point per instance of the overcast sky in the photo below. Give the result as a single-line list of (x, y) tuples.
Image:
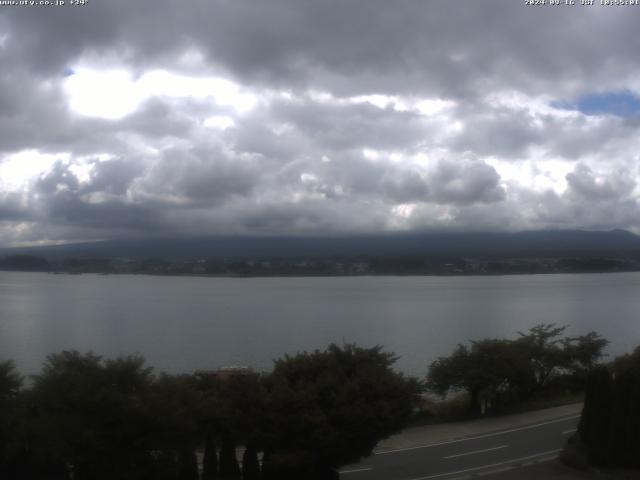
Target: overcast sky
[(217, 117)]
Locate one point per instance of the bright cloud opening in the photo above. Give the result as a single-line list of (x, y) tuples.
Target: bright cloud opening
[(220, 122), (17, 169), (114, 94)]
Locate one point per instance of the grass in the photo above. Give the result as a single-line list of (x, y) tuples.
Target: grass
[(456, 408)]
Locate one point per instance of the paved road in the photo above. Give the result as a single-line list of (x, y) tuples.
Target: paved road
[(479, 455)]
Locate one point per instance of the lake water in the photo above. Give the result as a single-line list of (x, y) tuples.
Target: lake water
[(185, 323)]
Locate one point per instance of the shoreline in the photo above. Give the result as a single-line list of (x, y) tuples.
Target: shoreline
[(326, 275)]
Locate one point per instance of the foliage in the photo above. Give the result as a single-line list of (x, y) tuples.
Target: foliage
[(500, 371), (10, 418), (487, 369), (550, 355), (10, 380), (176, 407), (229, 467), (610, 423), (250, 464), (210, 459), (115, 420), (91, 414), (330, 408)]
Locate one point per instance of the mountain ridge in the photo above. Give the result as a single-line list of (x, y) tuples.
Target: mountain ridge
[(525, 243)]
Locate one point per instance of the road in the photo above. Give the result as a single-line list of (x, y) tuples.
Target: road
[(479, 455)]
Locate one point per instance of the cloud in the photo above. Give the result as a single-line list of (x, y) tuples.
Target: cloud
[(289, 117), (586, 185), (466, 181)]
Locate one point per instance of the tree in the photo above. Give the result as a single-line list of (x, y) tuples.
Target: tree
[(595, 422), (495, 371), (543, 347), (187, 464), (231, 408), (229, 467), (610, 424), (330, 408), (625, 411), (486, 370), (10, 421), (92, 415), (10, 380), (210, 459), (250, 464), (176, 407), (551, 355)]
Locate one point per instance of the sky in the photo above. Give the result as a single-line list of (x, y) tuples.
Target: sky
[(300, 117)]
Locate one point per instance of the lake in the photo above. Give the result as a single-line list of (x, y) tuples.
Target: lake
[(185, 323)]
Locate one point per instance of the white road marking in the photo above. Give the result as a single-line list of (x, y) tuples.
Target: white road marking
[(496, 470), (482, 467), (477, 451), (486, 435), (355, 470), (567, 432)]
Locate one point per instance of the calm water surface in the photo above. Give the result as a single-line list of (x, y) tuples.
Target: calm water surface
[(186, 323)]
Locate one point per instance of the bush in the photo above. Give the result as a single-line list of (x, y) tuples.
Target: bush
[(610, 422)]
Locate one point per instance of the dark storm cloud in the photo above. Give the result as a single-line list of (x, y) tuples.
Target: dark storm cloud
[(509, 132), (60, 199), (583, 183), (441, 48), (112, 176), (202, 175), (316, 153), (11, 209), (355, 176), (466, 182), (340, 127), (41, 119), (499, 131)]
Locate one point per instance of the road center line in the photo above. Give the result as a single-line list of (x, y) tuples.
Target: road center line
[(355, 470), (476, 451), (486, 435), (482, 467), (567, 432)]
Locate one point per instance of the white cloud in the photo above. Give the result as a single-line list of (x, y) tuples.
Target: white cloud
[(333, 117), (114, 94), (18, 169), (219, 121)]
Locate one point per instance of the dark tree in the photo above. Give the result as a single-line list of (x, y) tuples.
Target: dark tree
[(165, 466), (505, 371), (330, 408), (229, 467), (250, 464), (487, 370), (552, 356), (187, 465), (210, 459), (233, 405), (11, 438), (10, 381), (91, 415), (176, 407), (625, 411), (543, 346), (610, 424), (595, 423)]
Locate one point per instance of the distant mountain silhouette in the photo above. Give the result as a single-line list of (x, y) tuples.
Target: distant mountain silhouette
[(553, 243)]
